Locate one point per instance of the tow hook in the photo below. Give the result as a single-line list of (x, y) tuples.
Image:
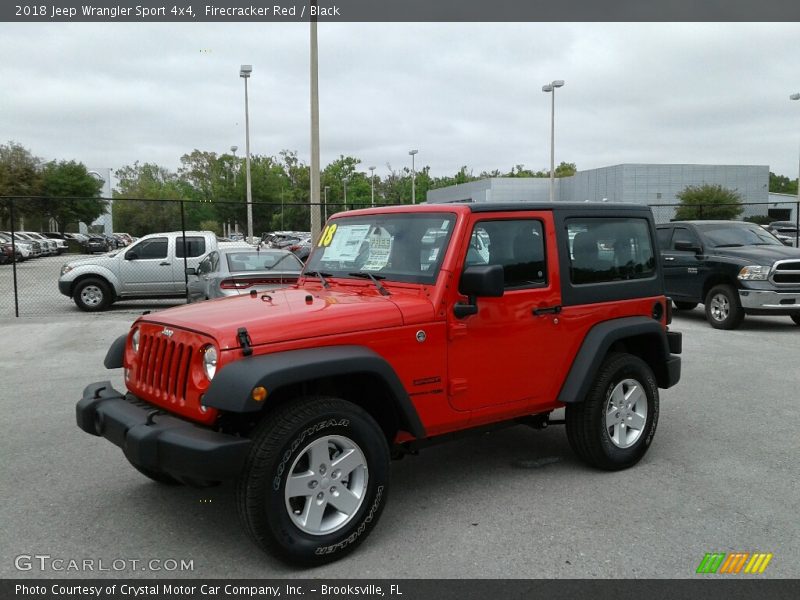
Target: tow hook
[(152, 415)]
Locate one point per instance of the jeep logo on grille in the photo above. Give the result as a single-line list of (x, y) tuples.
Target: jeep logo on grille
[(167, 332)]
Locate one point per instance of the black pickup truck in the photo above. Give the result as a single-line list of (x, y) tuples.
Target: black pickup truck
[(733, 268)]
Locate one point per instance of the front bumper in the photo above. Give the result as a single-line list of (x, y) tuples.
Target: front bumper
[(65, 287), (159, 441), (772, 301)]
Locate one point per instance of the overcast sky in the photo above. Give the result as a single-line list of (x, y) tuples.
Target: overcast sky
[(463, 94)]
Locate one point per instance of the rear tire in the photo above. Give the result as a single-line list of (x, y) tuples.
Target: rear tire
[(684, 305), (92, 295), (614, 425), (315, 482), (796, 319), (723, 310)]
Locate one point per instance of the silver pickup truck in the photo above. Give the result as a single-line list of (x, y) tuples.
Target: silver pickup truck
[(153, 267)]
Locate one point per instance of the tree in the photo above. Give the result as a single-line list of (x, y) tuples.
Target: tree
[(709, 202), (70, 194), (19, 176), (780, 184), (136, 209), (565, 169)]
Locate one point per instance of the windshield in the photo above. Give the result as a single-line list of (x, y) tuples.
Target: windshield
[(736, 234), (260, 261), (399, 247)]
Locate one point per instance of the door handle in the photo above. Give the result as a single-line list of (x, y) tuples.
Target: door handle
[(548, 310), (669, 258), (164, 264)]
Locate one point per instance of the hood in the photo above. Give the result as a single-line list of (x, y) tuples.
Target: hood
[(759, 254), (288, 316), (92, 260)]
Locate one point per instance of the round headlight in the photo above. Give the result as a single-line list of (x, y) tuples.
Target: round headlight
[(210, 361), (135, 340)]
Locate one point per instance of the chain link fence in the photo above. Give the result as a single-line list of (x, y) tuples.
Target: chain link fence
[(42, 239)]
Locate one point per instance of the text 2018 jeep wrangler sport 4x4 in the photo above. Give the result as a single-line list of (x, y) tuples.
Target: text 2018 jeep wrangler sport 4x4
[(409, 323)]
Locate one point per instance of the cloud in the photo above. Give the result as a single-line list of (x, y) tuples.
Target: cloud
[(463, 94)]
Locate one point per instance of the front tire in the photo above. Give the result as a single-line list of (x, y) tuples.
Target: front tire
[(723, 309), (615, 424), (92, 295), (315, 482), (796, 319)]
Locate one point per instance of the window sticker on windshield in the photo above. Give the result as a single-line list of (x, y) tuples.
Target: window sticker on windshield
[(327, 236), (345, 246), (380, 247)]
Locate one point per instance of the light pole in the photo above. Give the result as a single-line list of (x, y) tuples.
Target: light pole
[(344, 183), (372, 181), (413, 177), (550, 88), (314, 178), (797, 210), (244, 73), (327, 187), (226, 228)]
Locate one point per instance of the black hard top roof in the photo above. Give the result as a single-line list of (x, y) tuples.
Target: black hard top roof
[(579, 206)]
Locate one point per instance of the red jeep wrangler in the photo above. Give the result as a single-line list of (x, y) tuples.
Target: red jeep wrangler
[(408, 324)]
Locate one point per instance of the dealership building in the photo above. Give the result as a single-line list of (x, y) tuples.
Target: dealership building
[(636, 183)]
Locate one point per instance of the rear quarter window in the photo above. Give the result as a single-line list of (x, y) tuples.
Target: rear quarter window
[(195, 246), (609, 249)]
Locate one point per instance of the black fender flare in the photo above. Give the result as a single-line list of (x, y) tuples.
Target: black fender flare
[(231, 388), (596, 345), (116, 353)]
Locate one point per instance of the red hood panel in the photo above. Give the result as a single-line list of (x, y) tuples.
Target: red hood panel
[(288, 316)]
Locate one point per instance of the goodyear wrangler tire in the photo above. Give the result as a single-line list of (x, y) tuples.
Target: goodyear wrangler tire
[(315, 482), (615, 424)]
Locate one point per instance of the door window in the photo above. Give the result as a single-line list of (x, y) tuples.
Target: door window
[(515, 244), (664, 236), (204, 266), (682, 234), (152, 248)]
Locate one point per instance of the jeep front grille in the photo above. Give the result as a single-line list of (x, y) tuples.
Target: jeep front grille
[(164, 367), (786, 272)]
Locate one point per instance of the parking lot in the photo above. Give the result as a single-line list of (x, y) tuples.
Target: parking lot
[(37, 282), (721, 475)]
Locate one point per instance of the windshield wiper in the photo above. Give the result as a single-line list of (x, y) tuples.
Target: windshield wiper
[(321, 276), (375, 279), (728, 245)]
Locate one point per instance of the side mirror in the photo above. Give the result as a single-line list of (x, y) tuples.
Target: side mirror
[(687, 246), (478, 281), (130, 255), (191, 271)]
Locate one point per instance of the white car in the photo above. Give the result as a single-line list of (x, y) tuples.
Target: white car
[(49, 246), (25, 249)]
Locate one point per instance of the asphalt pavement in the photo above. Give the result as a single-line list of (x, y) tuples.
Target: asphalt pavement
[(721, 476)]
